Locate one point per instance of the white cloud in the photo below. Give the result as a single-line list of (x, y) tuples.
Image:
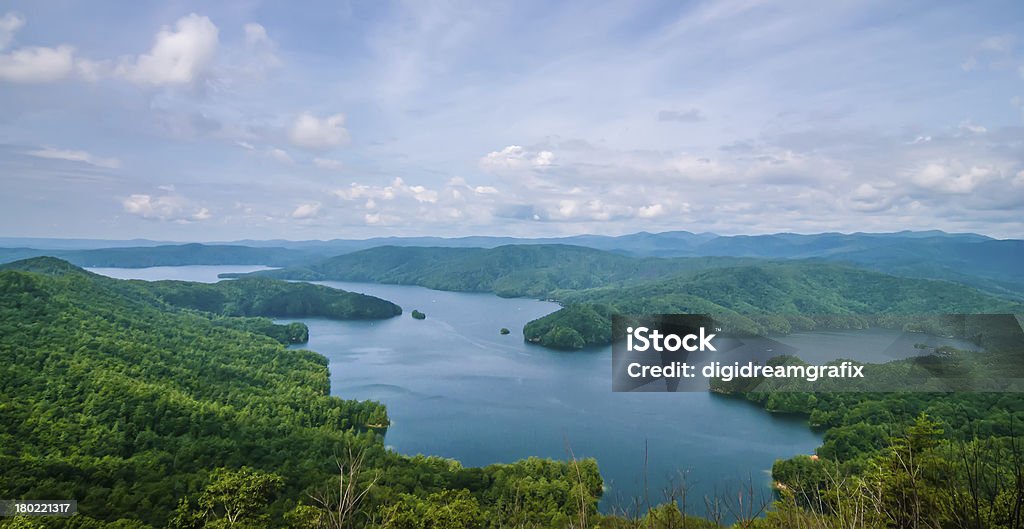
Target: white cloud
[(327, 163), (543, 159), (399, 203), (871, 198), (245, 145), (398, 188), (972, 128), (951, 177), (260, 51), (256, 34), (36, 64), (310, 132), (306, 211), (179, 55), (422, 194), (594, 209), (651, 211), (10, 23), (172, 208), (75, 156), (516, 157), (359, 191), (280, 155), (380, 219)]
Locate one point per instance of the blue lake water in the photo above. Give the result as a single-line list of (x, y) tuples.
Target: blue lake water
[(455, 387)]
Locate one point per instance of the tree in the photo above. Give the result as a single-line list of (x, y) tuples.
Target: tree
[(233, 498)]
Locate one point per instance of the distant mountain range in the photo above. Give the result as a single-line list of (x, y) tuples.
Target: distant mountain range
[(641, 243), (992, 265)]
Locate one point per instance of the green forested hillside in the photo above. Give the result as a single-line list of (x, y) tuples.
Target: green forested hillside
[(248, 297), (126, 407), (270, 297), (517, 270), (158, 415), (770, 291), (572, 327)]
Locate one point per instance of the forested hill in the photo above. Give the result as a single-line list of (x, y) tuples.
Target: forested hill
[(156, 415), (248, 297), (775, 288), (515, 270), (109, 399)]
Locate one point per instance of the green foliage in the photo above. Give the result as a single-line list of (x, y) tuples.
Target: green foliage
[(268, 297), (572, 327), (447, 509), (417, 315), (510, 271), (131, 405), (109, 396), (767, 298), (504, 331), (288, 333), (232, 498), (246, 297)]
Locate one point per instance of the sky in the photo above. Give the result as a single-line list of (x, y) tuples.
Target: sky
[(202, 121)]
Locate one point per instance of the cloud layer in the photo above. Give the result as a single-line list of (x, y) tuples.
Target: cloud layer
[(534, 119)]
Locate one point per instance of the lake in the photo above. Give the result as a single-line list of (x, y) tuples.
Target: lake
[(196, 273), (455, 387)]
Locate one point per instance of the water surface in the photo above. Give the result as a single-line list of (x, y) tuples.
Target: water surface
[(197, 273), (455, 387)]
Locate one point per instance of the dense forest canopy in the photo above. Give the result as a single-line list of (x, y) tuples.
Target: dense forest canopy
[(764, 298), (249, 297), (511, 271), (153, 414)]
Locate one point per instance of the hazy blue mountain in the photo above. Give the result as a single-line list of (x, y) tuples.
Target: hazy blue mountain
[(44, 243), (989, 264), (170, 255)]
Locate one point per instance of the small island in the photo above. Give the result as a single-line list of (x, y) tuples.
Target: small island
[(417, 315), (504, 331)]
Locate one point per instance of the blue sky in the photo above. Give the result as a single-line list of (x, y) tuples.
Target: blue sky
[(230, 120)]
